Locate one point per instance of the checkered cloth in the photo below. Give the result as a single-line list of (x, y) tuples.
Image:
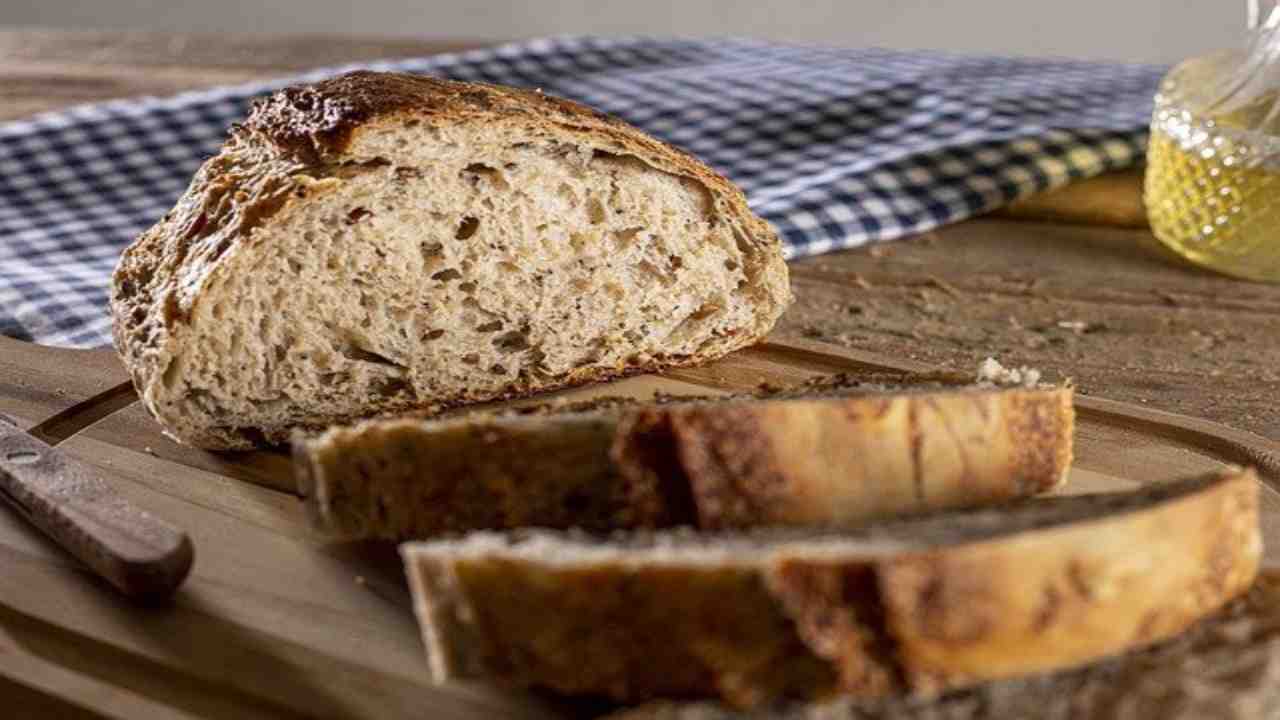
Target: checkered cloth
[(836, 148)]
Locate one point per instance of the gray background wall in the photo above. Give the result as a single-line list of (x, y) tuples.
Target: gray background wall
[(1137, 30)]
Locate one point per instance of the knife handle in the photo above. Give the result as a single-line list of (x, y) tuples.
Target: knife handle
[(143, 556)]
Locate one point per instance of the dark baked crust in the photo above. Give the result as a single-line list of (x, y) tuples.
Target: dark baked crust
[(318, 120)]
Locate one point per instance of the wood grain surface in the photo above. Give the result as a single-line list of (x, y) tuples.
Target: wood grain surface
[(275, 622)]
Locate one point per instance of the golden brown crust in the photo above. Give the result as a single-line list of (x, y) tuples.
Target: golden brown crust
[(1062, 598), (1032, 428), (1224, 668), (1040, 587), (857, 458)]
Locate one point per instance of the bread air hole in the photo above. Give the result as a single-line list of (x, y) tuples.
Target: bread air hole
[(511, 342), (467, 228), (391, 386), (331, 379), (663, 277), (480, 172), (622, 238), (356, 351)]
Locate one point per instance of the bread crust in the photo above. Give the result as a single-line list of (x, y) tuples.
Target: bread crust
[(1225, 668), (715, 464), (289, 151), (867, 457), (882, 621)]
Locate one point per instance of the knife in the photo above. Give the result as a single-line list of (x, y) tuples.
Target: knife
[(143, 556)]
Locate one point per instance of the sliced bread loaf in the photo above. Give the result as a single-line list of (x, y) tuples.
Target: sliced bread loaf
[(1224, 668), (838, 450), (914, 606), (378, 242)]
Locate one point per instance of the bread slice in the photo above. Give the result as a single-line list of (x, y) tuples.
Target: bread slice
[(378, 242), (1224, 668), (838, 450), (909, 607)]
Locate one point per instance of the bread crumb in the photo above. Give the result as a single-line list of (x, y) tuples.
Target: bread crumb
[(1081, 327), (992, 372), (148, 450)]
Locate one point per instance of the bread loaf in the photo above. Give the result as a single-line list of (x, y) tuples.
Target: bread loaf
[(909, 607), (378, 242), (1224, 668), (838, 450)]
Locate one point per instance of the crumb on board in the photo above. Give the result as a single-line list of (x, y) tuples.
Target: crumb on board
[(991, 371)]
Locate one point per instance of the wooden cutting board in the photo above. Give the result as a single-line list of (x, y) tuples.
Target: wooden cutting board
[(276, 622)]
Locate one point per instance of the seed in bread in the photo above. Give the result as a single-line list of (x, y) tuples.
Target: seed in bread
[(378, 242)]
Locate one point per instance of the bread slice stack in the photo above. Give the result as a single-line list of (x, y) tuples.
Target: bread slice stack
[(847, 542)]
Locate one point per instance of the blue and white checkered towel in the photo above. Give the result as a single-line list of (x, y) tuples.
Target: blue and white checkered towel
[(836, 148)]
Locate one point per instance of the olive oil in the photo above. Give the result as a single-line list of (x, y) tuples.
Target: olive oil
[(1212, 186)]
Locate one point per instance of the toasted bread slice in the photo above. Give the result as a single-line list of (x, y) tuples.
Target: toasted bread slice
[(837, 450), (908, 607)]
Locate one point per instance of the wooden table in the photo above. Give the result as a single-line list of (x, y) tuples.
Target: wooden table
[(1044, 284)]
